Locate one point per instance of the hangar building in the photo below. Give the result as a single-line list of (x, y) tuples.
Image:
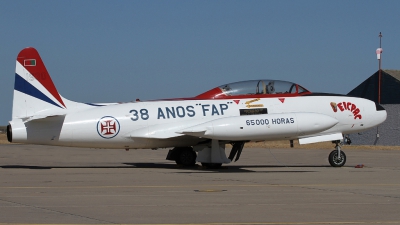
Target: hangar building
[(387, 133)]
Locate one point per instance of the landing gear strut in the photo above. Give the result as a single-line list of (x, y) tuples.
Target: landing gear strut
[(237, 148), (347, 140), (337, 158)]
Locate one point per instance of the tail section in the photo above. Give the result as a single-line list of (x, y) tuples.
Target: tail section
[(39, 111), (34, 91)]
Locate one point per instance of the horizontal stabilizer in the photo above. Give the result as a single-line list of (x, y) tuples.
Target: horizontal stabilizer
[(38, 117)]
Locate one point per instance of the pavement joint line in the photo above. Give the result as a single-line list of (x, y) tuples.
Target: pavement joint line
[(204, 185), (54, 211), (184, 205), (245, 223)]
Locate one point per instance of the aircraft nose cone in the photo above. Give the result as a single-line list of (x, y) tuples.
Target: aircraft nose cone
[(380, 114), (379, 107)]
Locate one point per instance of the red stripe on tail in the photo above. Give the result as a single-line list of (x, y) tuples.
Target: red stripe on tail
[(39, 70)]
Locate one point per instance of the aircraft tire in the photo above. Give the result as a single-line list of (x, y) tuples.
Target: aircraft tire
[(334, 161), (212, 165), (186, 157)]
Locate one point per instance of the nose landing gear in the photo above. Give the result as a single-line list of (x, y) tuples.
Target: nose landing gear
[(337, 158)]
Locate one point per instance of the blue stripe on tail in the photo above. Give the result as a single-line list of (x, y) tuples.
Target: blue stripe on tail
[(27, 88)]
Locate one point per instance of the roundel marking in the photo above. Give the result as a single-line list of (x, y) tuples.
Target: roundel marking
[(108, 127)]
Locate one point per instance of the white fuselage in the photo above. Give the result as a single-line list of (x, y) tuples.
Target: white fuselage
[(159, 124)]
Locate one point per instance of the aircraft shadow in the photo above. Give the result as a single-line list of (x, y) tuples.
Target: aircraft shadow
[(179, 169), (224, 169), (61, 167)]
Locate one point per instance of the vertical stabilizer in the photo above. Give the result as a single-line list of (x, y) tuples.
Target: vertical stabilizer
[(34, 91)]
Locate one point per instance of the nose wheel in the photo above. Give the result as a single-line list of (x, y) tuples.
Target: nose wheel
[(337, 158)]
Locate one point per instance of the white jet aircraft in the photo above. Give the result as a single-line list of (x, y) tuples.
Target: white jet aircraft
[(197, 128)]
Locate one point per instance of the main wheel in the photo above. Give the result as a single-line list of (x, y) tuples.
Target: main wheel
[(336, 161), (186, 157)]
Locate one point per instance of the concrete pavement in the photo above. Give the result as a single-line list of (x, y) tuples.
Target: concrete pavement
[(57, 185)]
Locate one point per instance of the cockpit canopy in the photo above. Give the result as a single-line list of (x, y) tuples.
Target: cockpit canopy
[(255, 87)]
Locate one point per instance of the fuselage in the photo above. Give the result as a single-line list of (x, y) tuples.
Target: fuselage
[(198, 128), (117, 125)]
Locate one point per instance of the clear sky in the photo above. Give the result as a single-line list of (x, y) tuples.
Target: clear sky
[(116, 51)]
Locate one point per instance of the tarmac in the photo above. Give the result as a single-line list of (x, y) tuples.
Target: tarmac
[(58, 185)]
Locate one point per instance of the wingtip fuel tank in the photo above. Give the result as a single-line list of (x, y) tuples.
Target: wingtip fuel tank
[(262, 127)]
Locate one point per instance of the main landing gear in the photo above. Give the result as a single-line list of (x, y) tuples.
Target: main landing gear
[(186, 156), (210, 154), (182, 156), (337, 158)]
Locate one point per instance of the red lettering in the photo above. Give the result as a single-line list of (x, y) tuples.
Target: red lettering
[(353, 107), (348, 105), (340, 105), (355, 112)]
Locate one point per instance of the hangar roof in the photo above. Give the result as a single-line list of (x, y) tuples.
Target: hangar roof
[(389, 90), (393, 73)]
